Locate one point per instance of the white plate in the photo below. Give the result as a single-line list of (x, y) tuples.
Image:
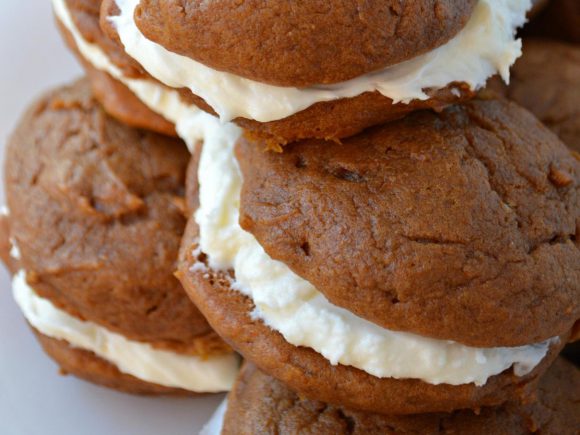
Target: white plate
[(34, 398)]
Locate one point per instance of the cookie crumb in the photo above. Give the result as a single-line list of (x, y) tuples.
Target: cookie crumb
[(559, 177)]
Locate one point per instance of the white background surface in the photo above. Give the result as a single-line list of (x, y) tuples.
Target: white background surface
[(34, 398)]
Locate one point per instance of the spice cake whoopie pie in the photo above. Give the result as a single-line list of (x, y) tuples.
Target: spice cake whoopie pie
[(299, 45), (546, 81), (403, 58), (95, 221), (426, 265), (260, 404)]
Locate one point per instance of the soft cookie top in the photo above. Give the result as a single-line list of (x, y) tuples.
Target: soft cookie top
[(96, 210), (301, 43), (461, 225)]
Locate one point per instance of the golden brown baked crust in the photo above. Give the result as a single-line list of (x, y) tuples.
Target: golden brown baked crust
[(546, 81), (301, 43), (96, 209), (88, 366), (459, 226), (311, 375), (261, 404)]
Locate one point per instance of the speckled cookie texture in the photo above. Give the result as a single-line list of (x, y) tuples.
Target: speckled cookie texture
[(260, 404), (459, 226), (327, 120), (96, 210), (308, 372), (301, 43), (546, 81)]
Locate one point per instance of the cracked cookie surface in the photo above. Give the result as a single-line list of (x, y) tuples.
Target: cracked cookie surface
[(460, 225), (309, 373)]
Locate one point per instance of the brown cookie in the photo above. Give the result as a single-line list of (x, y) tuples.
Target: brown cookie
[(121, 103), (546, 81), (115, 97), (261, 404), (460, 226), (334, 120), (96, 210), (308, 372), (88, 366), (559, 20), (326, 120), (301, 43), (85, 15)]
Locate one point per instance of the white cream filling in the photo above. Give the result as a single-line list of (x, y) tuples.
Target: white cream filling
[(484, 47), (161, 367), (216, 423), (284, 301), (14, 250)]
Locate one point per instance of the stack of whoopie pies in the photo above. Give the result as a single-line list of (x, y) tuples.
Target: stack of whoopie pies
[(390, 246)]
